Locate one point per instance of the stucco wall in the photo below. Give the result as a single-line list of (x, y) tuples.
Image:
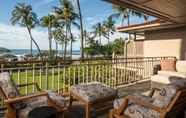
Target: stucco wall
[(170, 42), (135, 48)]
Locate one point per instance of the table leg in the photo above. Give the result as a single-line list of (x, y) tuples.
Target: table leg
[(88, 114), (71, 100)]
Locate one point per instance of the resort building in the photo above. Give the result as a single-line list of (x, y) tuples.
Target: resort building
[(149, 84), (165, 36)]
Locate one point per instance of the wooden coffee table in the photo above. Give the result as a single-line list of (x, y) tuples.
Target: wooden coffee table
[(98, 97)]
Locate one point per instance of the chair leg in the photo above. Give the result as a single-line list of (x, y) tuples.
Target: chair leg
[(87, 112), (71, 100), (111, 114)]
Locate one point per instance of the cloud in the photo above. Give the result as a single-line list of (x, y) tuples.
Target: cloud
[(16, 37)]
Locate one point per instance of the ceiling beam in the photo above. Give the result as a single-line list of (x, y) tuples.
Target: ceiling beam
[(141, 8)]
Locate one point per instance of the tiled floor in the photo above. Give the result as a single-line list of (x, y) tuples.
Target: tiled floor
[(77, 110)]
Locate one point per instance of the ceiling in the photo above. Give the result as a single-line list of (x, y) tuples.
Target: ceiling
[(169, 10)]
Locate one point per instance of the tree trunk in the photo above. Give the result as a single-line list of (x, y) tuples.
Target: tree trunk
[(50, 42), (66, 38), (82, 31), (37, 46), (108, 38), (56, 49), (31, 50), (71, 41)]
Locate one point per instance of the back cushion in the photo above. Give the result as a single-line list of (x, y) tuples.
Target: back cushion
[(168, 65), (181, 66), (7, 85), (163, 98)]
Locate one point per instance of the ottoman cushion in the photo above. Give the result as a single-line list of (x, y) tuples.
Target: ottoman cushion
[(93, 91)]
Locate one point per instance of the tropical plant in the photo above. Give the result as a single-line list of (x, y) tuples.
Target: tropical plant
[(50, 22), (125, 13), (25, 17), (118, 46), (99, 31), (66, 15), (109, 28), (59, 37)]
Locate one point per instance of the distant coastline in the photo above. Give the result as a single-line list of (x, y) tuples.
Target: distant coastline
[(20, 52)]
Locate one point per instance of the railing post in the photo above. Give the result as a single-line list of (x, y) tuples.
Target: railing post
[(46, 66), (26, 74), (33, 77), (58, 77)]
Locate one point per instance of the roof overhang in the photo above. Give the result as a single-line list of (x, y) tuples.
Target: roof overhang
[(168, 10), (149, 26)]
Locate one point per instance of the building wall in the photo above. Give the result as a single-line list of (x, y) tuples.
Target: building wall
[(135, 48), (167, 42)]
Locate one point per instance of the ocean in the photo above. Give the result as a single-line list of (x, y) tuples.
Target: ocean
[(19, 52)]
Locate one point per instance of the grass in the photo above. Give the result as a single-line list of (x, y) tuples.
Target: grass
[(60, 78)]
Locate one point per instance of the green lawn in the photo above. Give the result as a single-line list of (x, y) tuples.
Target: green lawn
[(61, 78)]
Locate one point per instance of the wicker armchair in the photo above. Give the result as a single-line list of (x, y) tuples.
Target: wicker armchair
[(156, 105), (19, 106)]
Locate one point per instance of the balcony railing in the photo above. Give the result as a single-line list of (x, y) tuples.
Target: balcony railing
[(61, 76)]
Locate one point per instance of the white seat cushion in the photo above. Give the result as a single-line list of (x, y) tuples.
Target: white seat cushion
[(160, 79), (163, 79), (170, 73)]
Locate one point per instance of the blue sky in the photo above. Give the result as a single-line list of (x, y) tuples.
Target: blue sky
[(17, 37)]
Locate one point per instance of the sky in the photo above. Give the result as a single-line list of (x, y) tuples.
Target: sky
[(16, 37)]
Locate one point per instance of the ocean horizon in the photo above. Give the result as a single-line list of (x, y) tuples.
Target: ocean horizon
[(20, 52)]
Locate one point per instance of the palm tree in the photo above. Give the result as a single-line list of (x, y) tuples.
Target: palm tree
[(49, 22), (109, 28), (99, 31), (81, 28), (72, 39), (24, 16), (67, 16), (59, 37), (125, 13)]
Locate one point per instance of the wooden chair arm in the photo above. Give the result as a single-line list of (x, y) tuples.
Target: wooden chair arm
[(152, 91), (123, 106), (30, 84), (23, 98), (144, 103)]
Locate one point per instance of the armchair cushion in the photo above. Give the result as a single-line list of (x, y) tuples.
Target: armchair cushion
[(164, 96), (59, 100), (137, 111), (8, 86), (118, 102), (10, 90)]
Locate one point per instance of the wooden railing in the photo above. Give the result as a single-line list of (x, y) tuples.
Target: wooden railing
[(61, 76)]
